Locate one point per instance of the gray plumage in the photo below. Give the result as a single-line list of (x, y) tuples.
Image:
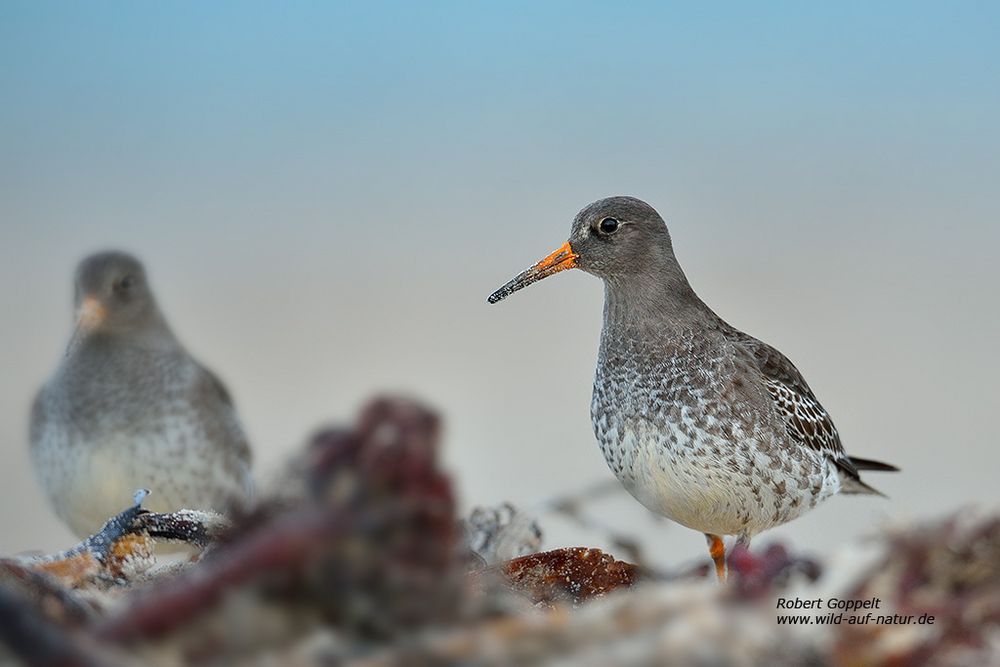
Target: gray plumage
[(701, 422), (129, 408)]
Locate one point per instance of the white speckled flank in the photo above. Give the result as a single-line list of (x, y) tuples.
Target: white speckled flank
[(670, 431)]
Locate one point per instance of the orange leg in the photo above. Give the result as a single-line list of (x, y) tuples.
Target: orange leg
[(717, 549)]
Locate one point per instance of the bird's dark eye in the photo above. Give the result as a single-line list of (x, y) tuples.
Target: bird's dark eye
[(126, 282), (609, 225)]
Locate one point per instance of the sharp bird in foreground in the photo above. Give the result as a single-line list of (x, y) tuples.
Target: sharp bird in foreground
[(701, 422)]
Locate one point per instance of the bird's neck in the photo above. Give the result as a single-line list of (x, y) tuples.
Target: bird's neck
[(153, 337), (652, 305)]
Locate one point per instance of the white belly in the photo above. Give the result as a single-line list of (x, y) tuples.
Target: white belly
[(701, 481)]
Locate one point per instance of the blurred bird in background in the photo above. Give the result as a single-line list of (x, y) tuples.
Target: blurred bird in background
[(129, 408)]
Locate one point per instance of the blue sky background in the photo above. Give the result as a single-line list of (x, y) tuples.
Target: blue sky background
[(325, 194)]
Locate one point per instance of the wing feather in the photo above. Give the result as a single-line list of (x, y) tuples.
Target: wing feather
[(805, 418)]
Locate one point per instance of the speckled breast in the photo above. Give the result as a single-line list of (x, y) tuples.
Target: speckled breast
[(95, 448)]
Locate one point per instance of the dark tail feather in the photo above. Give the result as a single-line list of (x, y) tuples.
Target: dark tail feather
[(852, 486), (868, 464)]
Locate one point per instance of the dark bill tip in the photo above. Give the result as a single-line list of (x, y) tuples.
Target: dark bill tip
[(560, 260)]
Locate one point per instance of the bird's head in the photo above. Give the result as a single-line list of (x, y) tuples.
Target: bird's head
[(112, 296), (615, 239)]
